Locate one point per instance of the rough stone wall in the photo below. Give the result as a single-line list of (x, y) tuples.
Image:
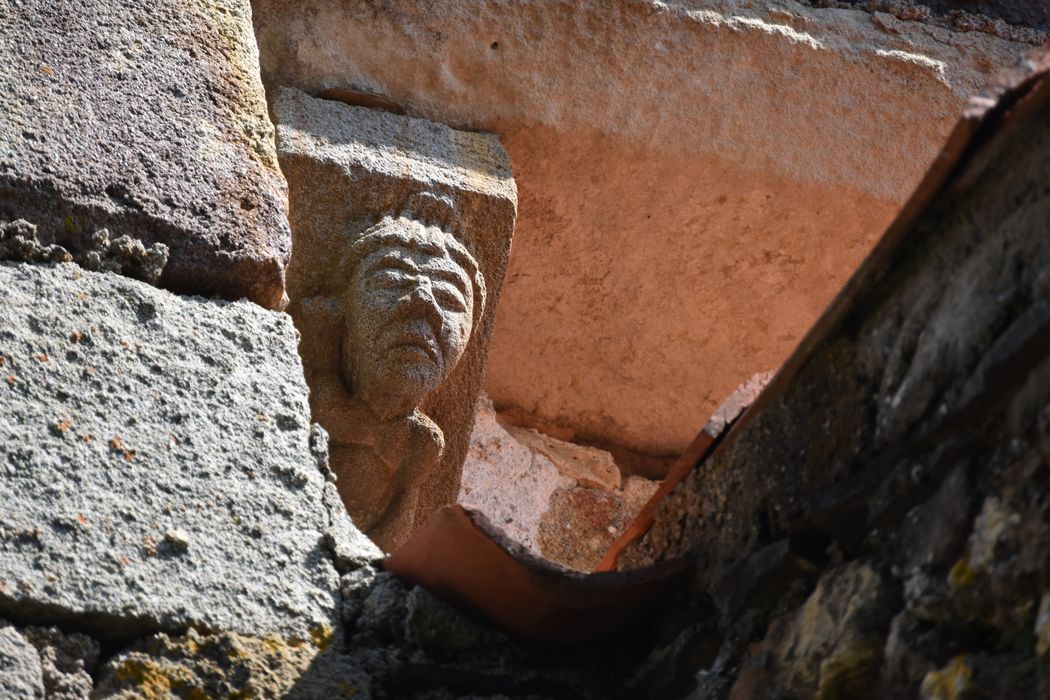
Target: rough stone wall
[(696, 178), (157, 456), (149, 120), (900, 463)]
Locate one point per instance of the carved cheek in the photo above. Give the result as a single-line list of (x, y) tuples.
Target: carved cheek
[(462, 321)]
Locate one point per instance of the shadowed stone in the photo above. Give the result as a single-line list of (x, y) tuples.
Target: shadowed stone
[(149, 120), (402, 232), (66, 662)]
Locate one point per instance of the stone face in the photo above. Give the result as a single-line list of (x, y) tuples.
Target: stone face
[(402, 232), (157, 466), (149, 120), (697, 179)]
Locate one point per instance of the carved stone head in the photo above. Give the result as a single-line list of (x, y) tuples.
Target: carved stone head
[(415, 293)]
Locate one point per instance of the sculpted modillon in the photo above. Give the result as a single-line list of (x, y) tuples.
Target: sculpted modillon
[(412, 296)]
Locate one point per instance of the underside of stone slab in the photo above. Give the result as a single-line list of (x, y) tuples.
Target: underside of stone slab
[(149, 120), (696, 179), (899, 460)]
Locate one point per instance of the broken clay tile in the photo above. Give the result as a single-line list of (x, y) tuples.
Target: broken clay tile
[(459, 556)]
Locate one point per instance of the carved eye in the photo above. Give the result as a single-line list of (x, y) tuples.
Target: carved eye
[(449, 297), (390, 279)]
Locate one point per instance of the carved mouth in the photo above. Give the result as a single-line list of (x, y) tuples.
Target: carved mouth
[(422, 342)]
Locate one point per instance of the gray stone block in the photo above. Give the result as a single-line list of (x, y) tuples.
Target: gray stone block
[(156, 466), (148, 119)]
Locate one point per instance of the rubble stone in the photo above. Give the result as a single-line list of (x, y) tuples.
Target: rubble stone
[(224, 665), (67, 662), (20, 674), (508, 482)]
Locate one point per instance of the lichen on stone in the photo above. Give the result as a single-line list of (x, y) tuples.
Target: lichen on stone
[(199, 666)]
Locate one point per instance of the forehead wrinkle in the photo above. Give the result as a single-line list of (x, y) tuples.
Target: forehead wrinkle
[(390, 259)]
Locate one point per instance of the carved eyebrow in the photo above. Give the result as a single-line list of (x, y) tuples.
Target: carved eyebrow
[(457, 279), (393, 260)]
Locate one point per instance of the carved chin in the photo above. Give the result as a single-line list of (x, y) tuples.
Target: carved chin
[(401, 389)]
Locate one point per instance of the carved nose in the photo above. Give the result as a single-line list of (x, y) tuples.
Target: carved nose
[(423, 301)]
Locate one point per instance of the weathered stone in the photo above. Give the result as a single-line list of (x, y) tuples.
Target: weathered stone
[(1042, 627), (156, 460), (697, 178), (67, 662), (227, 665), (125, 255), (402, 232), (414, 645), (20, 674), (149, 120), (587, 466), (581, 523), (508, 482), (1017, 19), (832, 647), (953, 682), (562, 501), (741, 398), (350, 548)]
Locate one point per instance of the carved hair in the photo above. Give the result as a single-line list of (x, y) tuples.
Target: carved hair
[(390, 233)]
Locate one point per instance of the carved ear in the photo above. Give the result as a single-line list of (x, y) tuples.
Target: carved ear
[(434, 209)]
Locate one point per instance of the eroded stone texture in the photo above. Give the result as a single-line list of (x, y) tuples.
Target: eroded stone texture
[(508, 482), (20, 674), (20, 242), (147, 119), (157, 467), (831, 647), (581, 522), (402, 232), (226, 665), (413, 646), (909, 438), (586, 466), (697, 178), (67, 662), (563, 502)]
